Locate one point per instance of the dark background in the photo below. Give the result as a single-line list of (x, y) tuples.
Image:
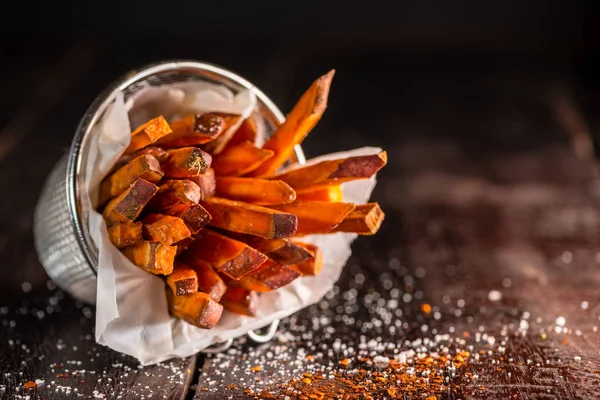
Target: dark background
[(469, 90)]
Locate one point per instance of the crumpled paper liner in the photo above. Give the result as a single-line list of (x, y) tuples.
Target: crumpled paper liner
[(131, 306)]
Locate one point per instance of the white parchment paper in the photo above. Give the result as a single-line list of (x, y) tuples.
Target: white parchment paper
[(132, 315)]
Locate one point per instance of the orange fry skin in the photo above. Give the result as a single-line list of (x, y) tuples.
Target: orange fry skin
[(332, 194), (148, 134), (248, 131), (239, 160), (165, 229), (334, 171), (269, 276), (240, 301), (261, 192), (144, 166), (125, 234), (198, 129), (299, 122), (194, 216), (128, 205), (185, 162), (156, 152), (182, 280), (366, 219), (197, 309), (316, 216), (175, 191), (153, 257), (206, 182), (228, 256), (246, 218), (209, 281), (284, 251), (311, 266)]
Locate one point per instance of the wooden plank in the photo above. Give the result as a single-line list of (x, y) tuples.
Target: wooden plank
[(51, 341)]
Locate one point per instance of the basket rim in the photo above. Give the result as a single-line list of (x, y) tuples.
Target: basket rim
[(107, 97)]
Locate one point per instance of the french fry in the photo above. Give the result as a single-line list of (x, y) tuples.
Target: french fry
[(125, 234), (156, 152), (209, 281), (332, 194), (248, 131), (311, 266), (183, 280), (128, 205), (145, 166), (334, 171), (153, 257), (197, 309), (261, 192), (240, 301), (269, 276), (195, 130), (299, 122), (185, 162), (175, 191), (246, 218), (240, 159), (366, 219), (165, 229), (194, 216), (206, 182), (148, 133), (226, 255), (284, 251), (316, 216)]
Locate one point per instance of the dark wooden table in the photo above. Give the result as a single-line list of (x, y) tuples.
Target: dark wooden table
[(493, 221)]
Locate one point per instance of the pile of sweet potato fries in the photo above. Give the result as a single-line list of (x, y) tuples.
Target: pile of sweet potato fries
[(222, 219)]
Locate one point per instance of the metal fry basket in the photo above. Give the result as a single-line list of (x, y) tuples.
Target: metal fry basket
[(62, 239)]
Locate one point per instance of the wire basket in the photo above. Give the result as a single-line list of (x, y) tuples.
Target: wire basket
[(62, 239)]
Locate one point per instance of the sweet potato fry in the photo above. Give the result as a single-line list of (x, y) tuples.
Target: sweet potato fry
[(269, 276), (332, 194), (156, 152), (334, 171), (209, 281), (145, 166), (240, 159), (174, 191), (197, 309), (153, 257), (228, 256), (194, 216), (206, 182), (165, 229), (284, 251), (248, 131), (185, 162), (241, 217), (182, 280), (195, 130), (311, 266), (303, 118), (129, 204), (366, 219), (240, 301), (125, 234), (148, 133), (316, 216), (262, 192)]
